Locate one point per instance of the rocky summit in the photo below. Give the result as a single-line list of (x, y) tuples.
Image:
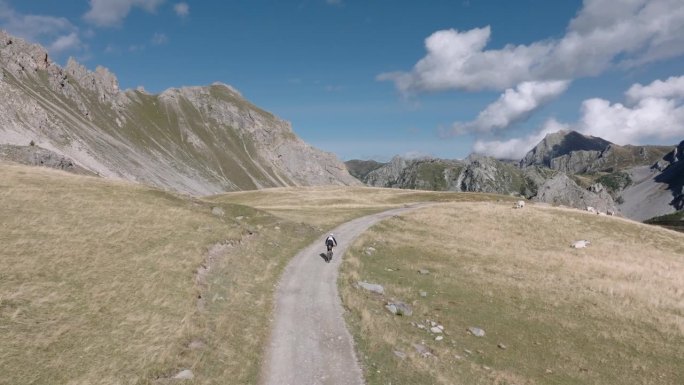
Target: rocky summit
[(197, 140)]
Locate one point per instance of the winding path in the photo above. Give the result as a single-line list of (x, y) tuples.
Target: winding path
[(310, 343)]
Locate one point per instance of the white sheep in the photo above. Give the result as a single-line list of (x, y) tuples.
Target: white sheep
[(519, 205), (580, 244), (591, 209)]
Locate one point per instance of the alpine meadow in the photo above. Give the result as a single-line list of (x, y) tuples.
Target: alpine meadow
[(338, 192)]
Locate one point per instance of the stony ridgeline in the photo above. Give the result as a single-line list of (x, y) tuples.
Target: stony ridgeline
[(565, 168), (197, 140)]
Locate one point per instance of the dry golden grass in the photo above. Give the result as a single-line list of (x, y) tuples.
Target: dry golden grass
[(328, 206), (99, 279), (611, 313), (98, 282), (99, 285)]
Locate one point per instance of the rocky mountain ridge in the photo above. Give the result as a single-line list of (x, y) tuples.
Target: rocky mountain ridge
[(197, 140), (565, 168)]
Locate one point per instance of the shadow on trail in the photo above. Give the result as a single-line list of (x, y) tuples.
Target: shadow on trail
[(325, 257)]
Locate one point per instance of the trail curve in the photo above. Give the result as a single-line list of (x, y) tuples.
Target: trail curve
[(310, 343)]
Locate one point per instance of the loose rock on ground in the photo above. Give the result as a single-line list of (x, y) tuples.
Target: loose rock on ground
[(372, 287), (399, 308), (477, 332)]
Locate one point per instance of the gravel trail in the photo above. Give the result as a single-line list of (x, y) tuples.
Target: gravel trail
[(310, 343)]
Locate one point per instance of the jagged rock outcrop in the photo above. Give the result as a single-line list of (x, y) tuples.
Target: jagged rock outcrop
[(36, 156), (489, 175), (561, 190), (198, 140), (389, 175), (575, 161), (475, 174), (420, 174)]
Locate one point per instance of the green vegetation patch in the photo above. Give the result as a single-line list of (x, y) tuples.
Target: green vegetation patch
[(615, 182), (674, 221)]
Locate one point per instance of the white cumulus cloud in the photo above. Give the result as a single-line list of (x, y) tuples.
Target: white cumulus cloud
[(107, 13), (182, 9), (513, 105), (603, 34), (650, 119), (673, 87), (657, 116)]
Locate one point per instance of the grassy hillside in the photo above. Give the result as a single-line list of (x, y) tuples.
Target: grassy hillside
[(112, 283), (99, 282), (608, 314)]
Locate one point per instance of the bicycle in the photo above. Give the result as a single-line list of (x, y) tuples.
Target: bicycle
[(329, 254)]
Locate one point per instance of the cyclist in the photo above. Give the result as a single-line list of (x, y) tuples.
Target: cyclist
[(330, 242)]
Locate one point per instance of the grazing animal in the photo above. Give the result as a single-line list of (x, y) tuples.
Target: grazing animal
[(610, 212), (581, 244), (591, 209), (519, 205)]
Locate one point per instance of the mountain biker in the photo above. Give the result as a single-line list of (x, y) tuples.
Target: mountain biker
[(330, 242)]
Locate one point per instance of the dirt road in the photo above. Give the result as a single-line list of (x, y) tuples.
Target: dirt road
[(310, 343)]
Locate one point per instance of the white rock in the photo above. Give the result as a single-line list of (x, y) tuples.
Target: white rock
[(581, 244), (372, 287), (439, 338), (184, 375)]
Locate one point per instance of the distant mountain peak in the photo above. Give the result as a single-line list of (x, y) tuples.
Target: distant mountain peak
[(562, 143)]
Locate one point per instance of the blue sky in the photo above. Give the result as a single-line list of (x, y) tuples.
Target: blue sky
[(371, 79)]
